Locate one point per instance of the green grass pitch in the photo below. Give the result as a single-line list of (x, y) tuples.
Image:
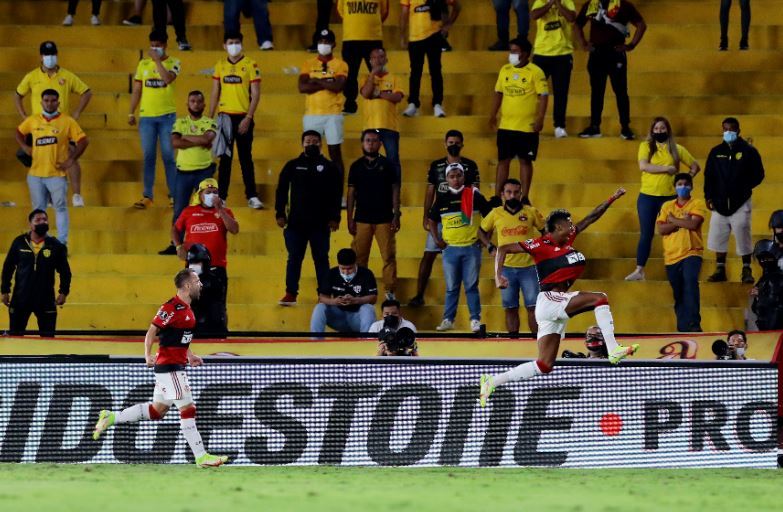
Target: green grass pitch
[(174, 488)]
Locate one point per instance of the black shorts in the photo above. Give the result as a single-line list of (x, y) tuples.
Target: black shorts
[(512, 143)]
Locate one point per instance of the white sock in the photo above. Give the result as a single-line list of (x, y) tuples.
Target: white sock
[(603, 316), (133, 414), (522, 372), (190, 432)]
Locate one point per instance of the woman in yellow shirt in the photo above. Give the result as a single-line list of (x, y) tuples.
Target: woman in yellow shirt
[(660, 158)]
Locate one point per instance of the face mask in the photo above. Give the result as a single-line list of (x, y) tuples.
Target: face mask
[(198, 268), (41, 229), (50, 61), (324, 49), (740, 351), (454, 149), (370, 154), (514, 59), (779, 238), (312, 151), (209, 199), (234, 49), (660, 137), (50, 115), (456, 190), (157, 49), (513, 205), (729, 137), (683, 191), (348, 277)]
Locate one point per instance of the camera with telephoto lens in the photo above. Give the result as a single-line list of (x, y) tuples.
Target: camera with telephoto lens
[(567, 354), (397, 341), (722, 351)]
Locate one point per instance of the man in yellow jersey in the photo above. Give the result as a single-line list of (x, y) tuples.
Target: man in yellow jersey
[(423, 32), (49, 75), (362, 32), (515, 221), (51, 133), (236, 92), (553, 52), (153, 88), (680, 224), (522, 92)]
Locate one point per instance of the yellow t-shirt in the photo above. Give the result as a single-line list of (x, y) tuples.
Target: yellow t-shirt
[(661, 184), (553, 31), (378, 112), (362, 19), (50, 142), (235, 79), (323, 102), (684, 242), (62, 81), (195, 158), (157, 97), (420, 23), (511, 228), (521, 88)]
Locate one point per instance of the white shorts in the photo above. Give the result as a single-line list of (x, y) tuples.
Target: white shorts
[(172, 388), (330, 126), (551, 313), (738, 223)]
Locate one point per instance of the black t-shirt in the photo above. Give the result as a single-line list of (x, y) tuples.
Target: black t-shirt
[(437, 174), (362, 284), (603, 34), (373, 184)]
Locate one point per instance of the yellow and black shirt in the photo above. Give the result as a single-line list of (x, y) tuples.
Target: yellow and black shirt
[(362, 19), (157, 97), (197, 157), (457, 212), (513, 228), (63, 81), (420, 22), (235, 79), (553, 30), (323, 102), (521, 88), (50, 142)]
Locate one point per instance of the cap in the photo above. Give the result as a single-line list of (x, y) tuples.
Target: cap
[(48, 48), (328, 35), (207, 183), (455, 166)]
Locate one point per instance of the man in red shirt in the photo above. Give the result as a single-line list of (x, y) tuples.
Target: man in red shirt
[(172, 326)]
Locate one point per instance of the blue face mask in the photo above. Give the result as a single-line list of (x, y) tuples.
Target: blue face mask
[(683, 191), (729, 137)]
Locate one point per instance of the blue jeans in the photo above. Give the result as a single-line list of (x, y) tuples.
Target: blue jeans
[(259, 10), (503, 19), (684, 278), (340, 320), (525, 280), (296, 244), (55, 188), (647, 208), (391, 144), (151, 130), (185, 183), (462, 265)]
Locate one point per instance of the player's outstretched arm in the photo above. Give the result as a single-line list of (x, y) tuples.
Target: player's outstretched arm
[(500, 259), (149, 339), (599, 210)]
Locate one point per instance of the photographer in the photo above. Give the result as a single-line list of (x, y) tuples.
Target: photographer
[(594, 343), (396, 336), (210, 308), (767, 293), (733, 350)]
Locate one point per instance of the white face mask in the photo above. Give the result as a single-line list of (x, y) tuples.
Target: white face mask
[(514, 59), (157, 49), (198, 268), (740, 351), (457, 190), (324, 49), (210, 199), (234, 49), (49, 61)]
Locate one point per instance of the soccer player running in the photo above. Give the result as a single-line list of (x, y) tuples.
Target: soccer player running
[(173, 326), (558, 265)]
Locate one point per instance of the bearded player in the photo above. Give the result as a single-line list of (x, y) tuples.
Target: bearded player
[(173, 326), (558, 265)]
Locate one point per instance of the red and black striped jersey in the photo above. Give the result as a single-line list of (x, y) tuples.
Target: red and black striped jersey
[(556, 265), (176, 321)]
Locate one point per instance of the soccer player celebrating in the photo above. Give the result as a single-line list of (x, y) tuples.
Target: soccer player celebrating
[(558, 265), (173, 326)]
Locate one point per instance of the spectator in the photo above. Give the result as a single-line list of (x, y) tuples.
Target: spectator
[(346, 302), (210, 307), (502, 8), (134, 19), (307, 207), (49, 134), (515, 221), (436, 183), (322, 79), (660, 158), (321, 22), (608, 57), (391, 307), (732, 171), (374, 208), (423, 33), (258, 10), (776, 225), (34, 277), (160, 17), (236, 92), (51, 76), (679, 222), (362, 32), (554, 52), (153, 87), (767, 293), (521, 95), (725, 6), (737, 341), (96, 12), (595, 344), (455, 209), (382, 92), (392, 329)]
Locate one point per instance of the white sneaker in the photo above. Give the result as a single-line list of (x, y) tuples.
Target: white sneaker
[(438, 111), (255, 203), (411, 111), (95, 20), (445, 325), (560, 133), (267, 45), (636, 275), (475, 325), (77, 200), (68, 21)]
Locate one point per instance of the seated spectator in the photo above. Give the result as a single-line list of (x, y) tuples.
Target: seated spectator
[(738, 344), (396, 336), (96, 12), (346, 303), (503, 20), (258, 10), (767, 293)]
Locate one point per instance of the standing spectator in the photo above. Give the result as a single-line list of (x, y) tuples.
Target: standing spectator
[(554, 52), (725, 6), (321, 22), (134, 19), (258, 10), (455, 209), (515, 221), (521, 96), (32, 261), (49, 75), (732, 171), (382, 91), (502, 8), (436, 183), (660, 158), (49, 134), (95, 19), (423, 33), (373, 208), (307, 207), (679, 222), (346, 302), (236, 92), (608, 57), (362, 32), (160, 17), (153, 87)]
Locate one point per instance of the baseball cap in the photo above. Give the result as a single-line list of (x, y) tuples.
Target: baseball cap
[(328, 35), (456, 166), (48, 48), (207, 183)]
